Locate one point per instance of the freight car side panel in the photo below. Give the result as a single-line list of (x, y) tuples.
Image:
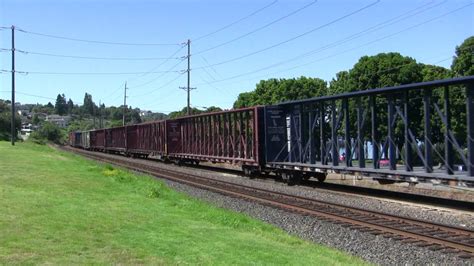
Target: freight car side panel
[(288, 137), (115, 139), (97, 139), (229, 136), (146, 138), (173, 137), (85, 139), (276, 134), (77, 139)]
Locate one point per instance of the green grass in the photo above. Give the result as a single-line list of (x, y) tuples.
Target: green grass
[(58, 208)]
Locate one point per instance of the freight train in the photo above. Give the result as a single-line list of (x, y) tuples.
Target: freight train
[(310, 138), (237, 137)]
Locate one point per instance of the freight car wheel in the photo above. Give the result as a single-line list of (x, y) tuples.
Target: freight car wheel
[(321, 177), (291, 178), (386, 181), (295, 178), (306, 176)]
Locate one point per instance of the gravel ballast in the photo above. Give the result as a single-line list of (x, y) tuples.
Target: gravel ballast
[(375, 249), (435, 214)]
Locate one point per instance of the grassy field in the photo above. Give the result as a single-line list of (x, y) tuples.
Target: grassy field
[(58, 208)]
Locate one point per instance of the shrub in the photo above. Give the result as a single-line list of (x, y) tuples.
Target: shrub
[(48, 132)]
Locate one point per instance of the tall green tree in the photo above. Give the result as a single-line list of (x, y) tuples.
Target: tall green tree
[(463, 63), (70, 106), (61, 105), (88, 105), (5, 121), (378, 71), (273, 91)]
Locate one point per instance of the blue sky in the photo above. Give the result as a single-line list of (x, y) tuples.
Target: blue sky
[(283, 39)]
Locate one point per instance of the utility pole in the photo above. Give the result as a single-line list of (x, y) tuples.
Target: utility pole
[(13, 130), (124, 103), (94, 113), (188, 88), (100, 114)]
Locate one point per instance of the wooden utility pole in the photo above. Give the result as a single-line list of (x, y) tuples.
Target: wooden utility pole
[(188, 88), (13, 129), (100, 114), (124, 103)]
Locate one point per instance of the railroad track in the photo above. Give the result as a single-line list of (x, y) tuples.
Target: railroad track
[(433, 236)]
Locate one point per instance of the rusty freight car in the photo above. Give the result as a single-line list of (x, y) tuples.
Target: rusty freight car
[(97, 140), (146, 139), (115, 140), (228, 136)]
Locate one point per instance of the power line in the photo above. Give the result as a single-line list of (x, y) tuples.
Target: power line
[(164, 85), (336, 54), (95, 41), (33, 95), (296, 37), (162, 98), (84, 73), (149, 71), (96, 58), (159, 76), (212, 68), (374, 28), (235, 22), (159, 65), (259, 28)]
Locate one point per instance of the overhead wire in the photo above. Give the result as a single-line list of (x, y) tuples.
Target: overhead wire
[(339, 53), (149, 71), (159, 76), (235, 22), (33, 95), (295, 37), (162, 86), (83, 73), (371, 29), (212, 68), (94, 41), (159, 65), (258, 29), (96, 58)]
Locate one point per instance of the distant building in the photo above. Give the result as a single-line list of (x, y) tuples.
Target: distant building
[(26, 130), (60, 121)]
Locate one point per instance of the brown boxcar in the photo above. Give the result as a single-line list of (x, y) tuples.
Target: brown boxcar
[(75, 139), (147, 138), (97, 140), (229, 136), (115, 139)]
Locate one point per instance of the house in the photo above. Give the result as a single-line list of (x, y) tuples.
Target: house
[(26, 130), (60, 121)]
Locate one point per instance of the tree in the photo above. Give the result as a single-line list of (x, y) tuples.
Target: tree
[(273, 91), (463, 63), (35, 120), (48, 132), (245, 99), (183, 112), (70, 106), (50, 105), (61, 106), (88, 106), (378, 71), (133, 116), (5, 121)]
